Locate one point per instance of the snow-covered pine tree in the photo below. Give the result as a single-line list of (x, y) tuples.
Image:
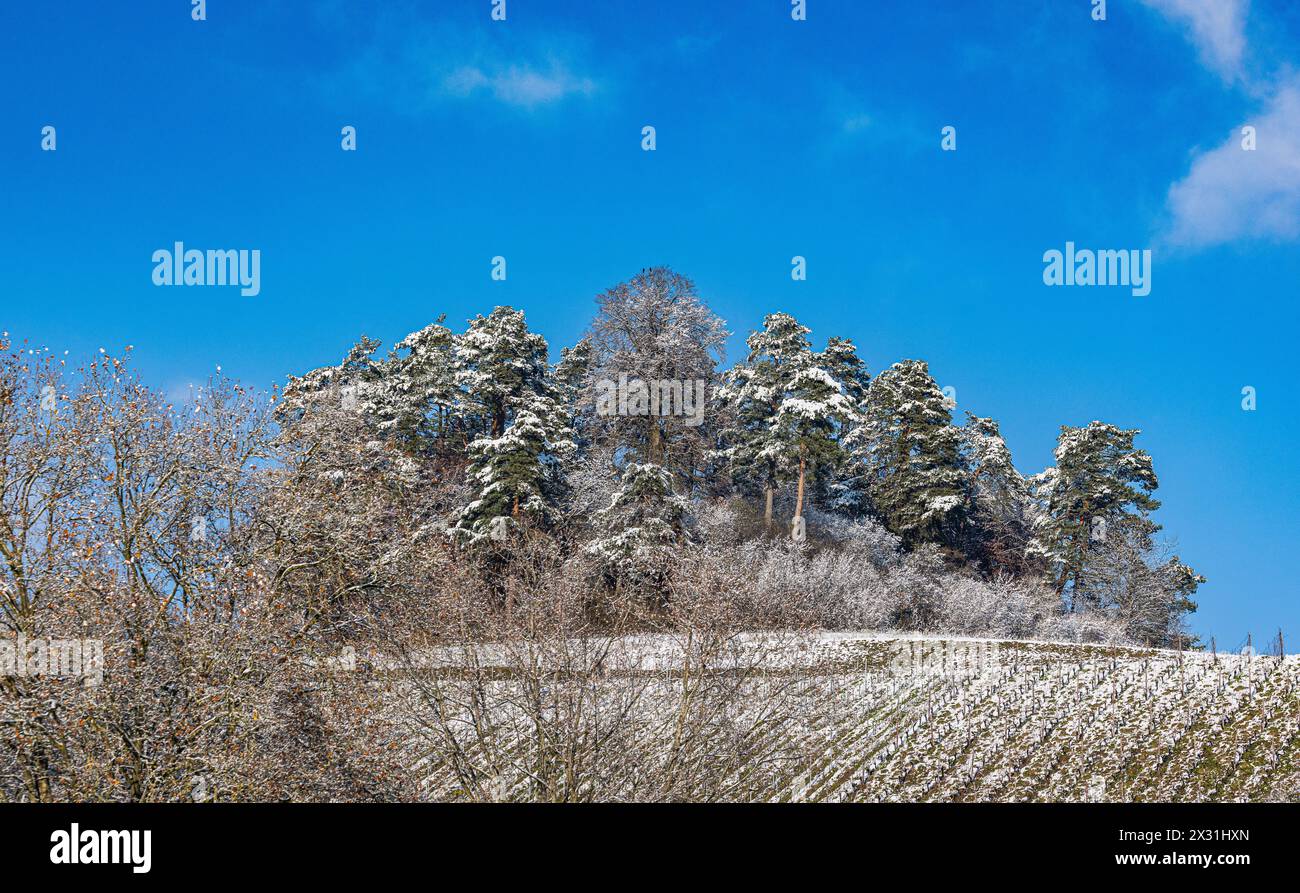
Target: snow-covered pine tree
[(351, 386), (759, 457), (1100, 541), (642, 529), (809, 418), (908, 441), (572, 377), (512, 476), (841, 360), (790, 408), (501, 368), (329, 423), (517, 463), (1101, 487), (847, 485), (1001, 519), (419, 387)]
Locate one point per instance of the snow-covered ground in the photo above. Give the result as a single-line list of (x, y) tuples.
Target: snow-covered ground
[(887, 717)]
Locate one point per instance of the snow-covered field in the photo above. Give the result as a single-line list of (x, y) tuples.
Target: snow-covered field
[(876, 718)]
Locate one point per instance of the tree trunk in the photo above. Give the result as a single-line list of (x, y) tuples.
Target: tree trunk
[(798, 504), (1060, 584), (767, 509)]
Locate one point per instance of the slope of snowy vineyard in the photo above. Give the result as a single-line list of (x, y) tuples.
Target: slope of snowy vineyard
[(929, 719)]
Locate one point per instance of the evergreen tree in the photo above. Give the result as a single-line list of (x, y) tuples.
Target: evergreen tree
[(642, 529), (808, 419), (1101, 488), (790, 408), (847, 486), (501, 368), (517, 463), (351, 386), (1000, 499), (572, 377), (841, 360), (1181, 583), (512, 476), (419, 386), (760, 458), (908, 441)]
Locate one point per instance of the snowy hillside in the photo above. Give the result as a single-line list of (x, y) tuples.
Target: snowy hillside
[(895, 719)]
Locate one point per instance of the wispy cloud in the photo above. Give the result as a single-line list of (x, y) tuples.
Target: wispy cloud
[(855, 122), (414, 64), (1217, 28), (1232, 194), (519, 85)]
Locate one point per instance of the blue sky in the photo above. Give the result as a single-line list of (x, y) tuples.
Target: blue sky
[(775, 138)]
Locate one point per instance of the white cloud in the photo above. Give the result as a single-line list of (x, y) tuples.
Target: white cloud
[(1231, 193), (415, 64), (1216, 27), (519, 85)]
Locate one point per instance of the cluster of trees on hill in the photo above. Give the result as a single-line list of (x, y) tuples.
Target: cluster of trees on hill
[(802, 450), (231, 552)]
